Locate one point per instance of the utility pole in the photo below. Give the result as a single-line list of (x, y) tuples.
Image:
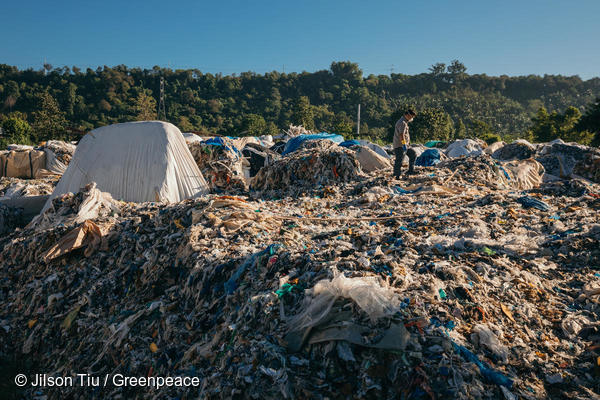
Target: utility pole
[(161, 104), (358, 122)]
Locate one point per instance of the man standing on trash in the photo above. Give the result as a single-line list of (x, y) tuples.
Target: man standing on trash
[(402, 143)]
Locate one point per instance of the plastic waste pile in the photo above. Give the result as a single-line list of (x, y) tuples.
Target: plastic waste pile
[(429, 158), (517, 150), (10, 218), (300, 141), (450, 284), (258, 156), (50, 158), (317, 162), (560, 159), (486, 171), (15, 187), (297, 130), (221, 163), (58, 155)]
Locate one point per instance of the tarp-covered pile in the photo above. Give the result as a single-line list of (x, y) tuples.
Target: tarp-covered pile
[(134, 161)]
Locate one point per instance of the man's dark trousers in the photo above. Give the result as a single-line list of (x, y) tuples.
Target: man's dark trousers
[(399, 153)]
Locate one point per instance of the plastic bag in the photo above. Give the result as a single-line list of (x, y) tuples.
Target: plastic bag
[(372, 295)]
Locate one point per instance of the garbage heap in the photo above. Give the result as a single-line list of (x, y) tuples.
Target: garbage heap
[(315, 163), (10, 218), (442, 285), (15, 187), (560, 159), (220, 162), (50, 158)]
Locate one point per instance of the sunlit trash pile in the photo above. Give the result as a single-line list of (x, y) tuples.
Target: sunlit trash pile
[(49, 158), (476, 278), (315, 163)]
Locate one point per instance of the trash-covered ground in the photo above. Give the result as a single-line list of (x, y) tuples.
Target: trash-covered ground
[(454, 283), (16, 187)]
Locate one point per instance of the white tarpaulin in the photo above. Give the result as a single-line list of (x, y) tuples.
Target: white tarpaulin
[(465, 147), (134, 161)]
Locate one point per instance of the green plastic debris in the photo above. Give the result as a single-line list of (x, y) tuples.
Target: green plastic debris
[(442, 294), (70, 318), (285, 288), (488, 251)]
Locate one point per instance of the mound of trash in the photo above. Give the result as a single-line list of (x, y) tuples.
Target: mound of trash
[(448, 284), (317, 162), (483, 170), (15, 187), (10, 218), (50, 158), (220, 162)]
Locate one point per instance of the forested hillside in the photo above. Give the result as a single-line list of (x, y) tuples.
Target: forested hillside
[(64, 102)]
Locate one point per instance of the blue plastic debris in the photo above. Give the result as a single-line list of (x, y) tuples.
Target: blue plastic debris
[(294, 143), (486, 371), (530, 202), (231, 284), (350, 143), (428, 158), (399, 190)]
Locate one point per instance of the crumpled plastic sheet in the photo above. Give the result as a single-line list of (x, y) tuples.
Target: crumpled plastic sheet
[(368, 293)]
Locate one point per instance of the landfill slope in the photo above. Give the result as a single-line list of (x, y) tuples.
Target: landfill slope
[(448, 284)]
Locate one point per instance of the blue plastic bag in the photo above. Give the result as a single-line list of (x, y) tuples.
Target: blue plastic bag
[(429, 158), (294, 143)]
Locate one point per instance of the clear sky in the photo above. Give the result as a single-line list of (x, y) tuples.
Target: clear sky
[(493, 37)]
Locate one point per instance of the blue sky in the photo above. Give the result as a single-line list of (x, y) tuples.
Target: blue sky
[(493, 37)]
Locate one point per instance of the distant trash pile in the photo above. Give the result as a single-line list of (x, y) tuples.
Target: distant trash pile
[(220, 162), (317, 162), (50, 158)]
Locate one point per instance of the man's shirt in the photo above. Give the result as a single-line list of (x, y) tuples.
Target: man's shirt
[(401, 135)]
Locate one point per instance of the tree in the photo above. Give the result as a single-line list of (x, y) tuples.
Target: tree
[(591, 121), (431, 124), (346, 70), (303, 113), (547, 127), (457, 71), (460, 131), (49, 121), (437, 69), (145, 106), (253, 125), (10, 102), (343, 125), (16, 130), (480, 129)]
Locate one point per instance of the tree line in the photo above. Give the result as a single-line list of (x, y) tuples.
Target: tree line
[(64, 103)]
